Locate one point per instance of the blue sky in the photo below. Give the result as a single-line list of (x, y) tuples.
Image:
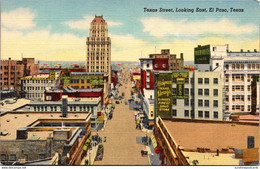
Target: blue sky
[(56, 30)]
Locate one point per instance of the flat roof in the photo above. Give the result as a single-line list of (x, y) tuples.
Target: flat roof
[(211, 158), (87, 73), (11, 122), (38, 76), (84, 100), (212, 135), (10, 107)]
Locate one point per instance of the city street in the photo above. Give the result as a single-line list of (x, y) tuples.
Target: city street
[(120, 147)]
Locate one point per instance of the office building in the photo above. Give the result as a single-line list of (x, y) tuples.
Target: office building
[(237, 70), (99, 48), (13, 70)]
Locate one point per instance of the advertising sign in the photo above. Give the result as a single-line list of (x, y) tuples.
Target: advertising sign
[(164, 95), (180, 84), (202, 54)]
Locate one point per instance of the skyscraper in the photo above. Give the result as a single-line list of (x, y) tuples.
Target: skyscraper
[(99, 48)]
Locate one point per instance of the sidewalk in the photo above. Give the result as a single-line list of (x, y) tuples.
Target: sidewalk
[(91, 155)]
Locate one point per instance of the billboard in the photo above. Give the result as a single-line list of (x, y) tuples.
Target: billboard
[(202, 54), (164, 95), (180, 85)]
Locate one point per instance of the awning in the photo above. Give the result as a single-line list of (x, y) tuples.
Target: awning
[(85, 147), (153, 141), (101, 118)]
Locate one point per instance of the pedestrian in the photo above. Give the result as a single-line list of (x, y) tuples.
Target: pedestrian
[(86, 162), (105, 139)]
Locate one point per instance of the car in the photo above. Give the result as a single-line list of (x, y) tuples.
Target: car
[(117, 102)]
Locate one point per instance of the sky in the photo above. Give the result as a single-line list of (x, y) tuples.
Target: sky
[(56, 30)]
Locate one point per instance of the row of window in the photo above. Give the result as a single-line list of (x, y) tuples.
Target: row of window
[(35, 88), (206, 92), (188, 113), (58, 108), (238, 98), (34, 95), (238, 108), (36, 81), (206, 103), (241, 66)]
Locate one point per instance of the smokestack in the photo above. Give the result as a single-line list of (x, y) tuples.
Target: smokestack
[(64, 107), (241, 50)]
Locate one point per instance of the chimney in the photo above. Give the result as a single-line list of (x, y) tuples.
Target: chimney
[(9, 58), (64, 107), (255, 50), (241, 50), (181, 56), (248, 50)]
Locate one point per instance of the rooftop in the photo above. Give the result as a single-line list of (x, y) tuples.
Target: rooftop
[(211, 134), (98, 19), (87, 73), (211, 158), (15, 104), (92, 100), (12, 121)]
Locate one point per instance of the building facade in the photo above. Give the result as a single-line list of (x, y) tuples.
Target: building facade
[(33, 87), (98, 48), (237, 70), (85, 80), (194, 95), (13, 70)]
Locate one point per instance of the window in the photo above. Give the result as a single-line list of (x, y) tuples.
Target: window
[(187, 80), (186, 102), (249, 87), (200, 92), (215, 92), (206, 92), (248, 98), (200, 81), (186, 113), (174, 80), (215, 114), (12, 157), (191, 80), (192, 91), (215, 103), (186, 91), (156, 65), (3, 157), (200, 114), (238, 77), (163, 66), (215, 80), (192, 113), (206, 80), (242, 66), (248, 66), (233, 66), (249, 108), (191, 102), (226, 78), (174, 112), (257, 66), (82, 81), (237, 66), (206, 103), (147, 65), (174, 102), (227, 67), (207, 114), (200, 103)]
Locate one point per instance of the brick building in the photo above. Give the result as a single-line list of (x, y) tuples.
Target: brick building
[(13, 70), (173, 62)]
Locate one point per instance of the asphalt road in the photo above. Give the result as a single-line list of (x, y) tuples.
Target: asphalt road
[(120, 147)]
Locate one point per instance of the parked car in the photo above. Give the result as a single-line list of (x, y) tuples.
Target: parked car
[(117, 102)]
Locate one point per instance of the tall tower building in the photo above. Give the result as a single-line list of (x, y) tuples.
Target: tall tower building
[(99, 48)]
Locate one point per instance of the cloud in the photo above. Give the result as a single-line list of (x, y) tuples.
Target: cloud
[(20, 18), (160, 27), (85, 23), (42, 45)]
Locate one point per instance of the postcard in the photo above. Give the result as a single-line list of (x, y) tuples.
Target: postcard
[(129, 83)]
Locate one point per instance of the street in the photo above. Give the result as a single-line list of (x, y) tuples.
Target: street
[(120, 147)]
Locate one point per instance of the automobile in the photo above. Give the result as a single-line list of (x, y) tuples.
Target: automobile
[(117, 102), (1, 103)]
